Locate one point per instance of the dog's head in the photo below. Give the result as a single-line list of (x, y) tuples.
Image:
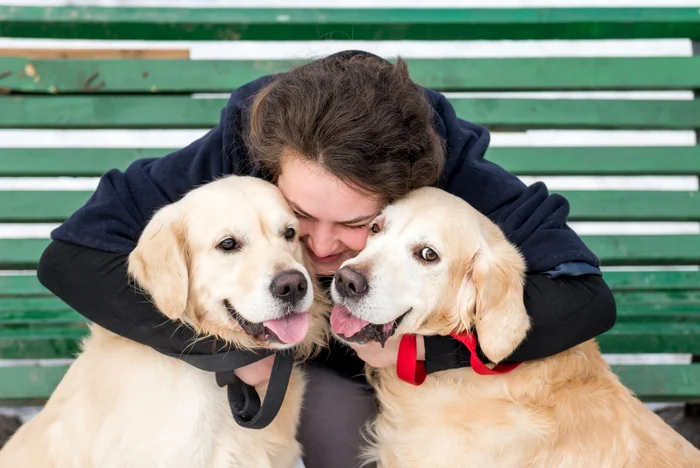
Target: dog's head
[(226, 261), (433, 265)]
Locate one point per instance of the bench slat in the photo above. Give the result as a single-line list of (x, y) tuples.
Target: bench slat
[(184, 112), (62, 340), (639, 307), (675, 382), (41, 342), (261, 24), (36, 310), (57, 341), (565, 161), (612, 250), (596, 161), (56, 206), (661, 383), (222, 76), (652, 337), (23, 285), (619, 281)]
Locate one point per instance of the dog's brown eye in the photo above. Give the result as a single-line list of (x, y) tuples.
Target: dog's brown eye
[(228, 244), (428, 254), (374, 228), (289, 233)]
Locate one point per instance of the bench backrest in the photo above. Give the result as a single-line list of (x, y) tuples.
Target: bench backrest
[(659, 310)]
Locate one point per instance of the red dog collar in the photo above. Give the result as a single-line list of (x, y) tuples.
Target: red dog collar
[(410, 370)]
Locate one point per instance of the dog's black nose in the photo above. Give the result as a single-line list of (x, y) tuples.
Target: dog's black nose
[(350, 283), (289, 286)]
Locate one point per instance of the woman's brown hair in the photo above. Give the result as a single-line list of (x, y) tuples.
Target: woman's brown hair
[(360, 117)]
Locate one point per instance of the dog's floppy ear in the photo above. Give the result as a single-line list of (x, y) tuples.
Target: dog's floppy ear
[(495, 285), (158, 262)]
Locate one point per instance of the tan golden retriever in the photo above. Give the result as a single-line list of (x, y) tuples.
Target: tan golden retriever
[(224, 260), (435, 265)]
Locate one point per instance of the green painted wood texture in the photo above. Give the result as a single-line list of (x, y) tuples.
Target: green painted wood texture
[(666, 249), (261, 24), (650, 383), (185, 112), (646, 307), (614, 205), (564, 161), (27, 285), (56, 338), (206, 76), (658, 311)]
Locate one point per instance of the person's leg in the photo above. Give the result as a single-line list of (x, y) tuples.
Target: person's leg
[(335, 411)]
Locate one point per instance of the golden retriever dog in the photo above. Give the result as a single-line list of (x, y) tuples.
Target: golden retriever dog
[(224, 260), (435, 265)]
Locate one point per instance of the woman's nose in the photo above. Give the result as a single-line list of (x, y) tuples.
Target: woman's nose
[(321, 240)]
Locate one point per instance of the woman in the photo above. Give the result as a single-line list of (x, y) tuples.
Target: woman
[(341, 137)]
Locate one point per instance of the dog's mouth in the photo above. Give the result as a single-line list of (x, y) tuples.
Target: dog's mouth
[(356, 330), (288, 329)]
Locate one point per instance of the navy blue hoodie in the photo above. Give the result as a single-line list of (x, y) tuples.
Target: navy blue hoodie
[(535, 220)]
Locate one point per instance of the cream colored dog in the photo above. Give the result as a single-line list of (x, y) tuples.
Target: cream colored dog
[(434, 265), (224, 260)]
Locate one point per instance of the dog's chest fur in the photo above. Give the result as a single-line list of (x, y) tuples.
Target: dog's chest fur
[(566, 411), (122, 405)]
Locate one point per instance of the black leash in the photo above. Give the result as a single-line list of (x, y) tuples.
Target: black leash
[(246, 408)]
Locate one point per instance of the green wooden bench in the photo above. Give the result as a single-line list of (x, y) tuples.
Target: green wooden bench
[(659, 310)]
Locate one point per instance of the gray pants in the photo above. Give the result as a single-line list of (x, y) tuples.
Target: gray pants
[(335, 410)]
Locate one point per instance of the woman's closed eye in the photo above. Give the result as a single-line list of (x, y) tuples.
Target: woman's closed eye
[(361, 226)]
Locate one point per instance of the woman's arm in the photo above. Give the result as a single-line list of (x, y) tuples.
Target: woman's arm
[(565, 311), (94, 283)]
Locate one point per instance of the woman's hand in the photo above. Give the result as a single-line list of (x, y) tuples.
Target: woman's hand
[(257, 373), (376, 356)]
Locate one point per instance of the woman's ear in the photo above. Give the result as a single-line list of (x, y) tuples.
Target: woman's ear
[(158, 262), (495, 294)]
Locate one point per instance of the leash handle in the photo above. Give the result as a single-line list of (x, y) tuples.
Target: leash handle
[(243, 399)]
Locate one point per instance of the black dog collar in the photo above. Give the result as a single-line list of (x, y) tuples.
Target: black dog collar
[(246, 408)]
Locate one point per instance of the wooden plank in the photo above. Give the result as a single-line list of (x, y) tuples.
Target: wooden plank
[(503, 74), (646, 249), (596, 161), (56, 206), (658, 306), (633, 205), (654, 383), (260, 24), (30, 382), (37, 311), (92, 54), (184, 112), (38, 206), (75, 162), (619, 281), (681, 249), (16, 254), (41, 342), (652, 337), (645, 308), (675, 382), (565, 161), (652, 280), (21, 286)]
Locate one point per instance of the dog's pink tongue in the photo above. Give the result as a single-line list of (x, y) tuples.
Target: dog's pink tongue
[(290, 329), (343, 323)]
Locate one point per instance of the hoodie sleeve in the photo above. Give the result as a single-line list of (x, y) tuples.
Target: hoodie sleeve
[(531, 217), (115, 215)]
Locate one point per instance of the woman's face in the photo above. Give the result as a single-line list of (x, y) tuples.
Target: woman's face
[(334, 216)]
